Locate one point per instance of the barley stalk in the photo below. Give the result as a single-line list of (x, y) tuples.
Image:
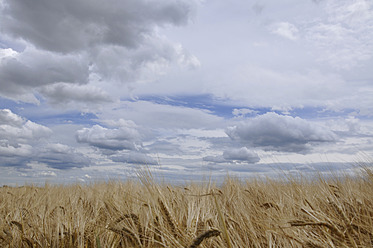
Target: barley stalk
[(222, 223)]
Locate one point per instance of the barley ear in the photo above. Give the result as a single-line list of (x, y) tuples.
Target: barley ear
[(208, 234)]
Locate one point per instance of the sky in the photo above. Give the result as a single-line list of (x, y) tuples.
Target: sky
[(190, 89)]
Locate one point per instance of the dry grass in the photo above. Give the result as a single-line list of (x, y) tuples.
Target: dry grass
[(295, 213)]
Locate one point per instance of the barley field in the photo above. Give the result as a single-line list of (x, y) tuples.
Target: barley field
[(333, 212)]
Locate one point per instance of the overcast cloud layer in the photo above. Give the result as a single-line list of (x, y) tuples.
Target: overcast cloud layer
[(189, 88)]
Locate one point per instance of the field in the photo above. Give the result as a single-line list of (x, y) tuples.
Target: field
[(334, 212)]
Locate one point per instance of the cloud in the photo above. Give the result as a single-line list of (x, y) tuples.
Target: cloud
[(242, 154), (160, 146), (14, 150), (286, 30), (23, 141), (284, 89), (83, 42), (280, 133), (7, 117), (152, 58), (163, 116), (343, 34), (233, 156), (257, 8), (15, 129), (215, 159), (126, 137), (71, 26), (25, 71), (134, 158), (62, 93), (61, 157), (242, 112)]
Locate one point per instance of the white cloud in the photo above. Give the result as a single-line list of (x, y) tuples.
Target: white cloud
[(152, 58), (123, 138), (243, 112), (280, 133), (23, 141), (15, 129), (343, 35), (250, 85), (285, 29), (8, 52), (47, 174), (7, 117), (167, 116), (13, 150)]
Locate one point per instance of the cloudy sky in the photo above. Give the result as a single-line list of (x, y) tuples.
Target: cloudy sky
[(191, 88)]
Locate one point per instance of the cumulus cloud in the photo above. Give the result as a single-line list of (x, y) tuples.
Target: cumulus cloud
[(23, 141), (17, 136), (272, 131), (125, 137), (9, 151), (7, 117), (15, 129), (240, 155)]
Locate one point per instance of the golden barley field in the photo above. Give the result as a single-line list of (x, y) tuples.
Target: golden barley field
[(334, 212)]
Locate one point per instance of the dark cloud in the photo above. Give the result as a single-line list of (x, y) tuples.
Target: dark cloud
[(20, 73), (125, 137), (65, 93), (56, 156), (165, 147), (280, 133), (258, 8), (61, 157), (77, 42), (215, 159), (134, 158), (70, 25)]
